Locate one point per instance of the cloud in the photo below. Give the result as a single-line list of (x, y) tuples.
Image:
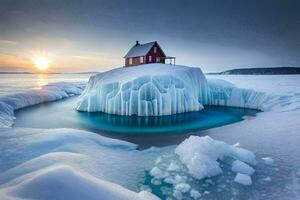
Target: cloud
[(10, 60), (8, 42), (85, 57)]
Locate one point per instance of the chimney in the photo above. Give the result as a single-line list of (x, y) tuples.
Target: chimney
[(137, 43)]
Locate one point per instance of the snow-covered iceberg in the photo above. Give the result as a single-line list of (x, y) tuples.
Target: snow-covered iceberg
[(145, 90), (159, 89)]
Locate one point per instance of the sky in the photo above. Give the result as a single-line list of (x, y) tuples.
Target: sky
[(94, 35)]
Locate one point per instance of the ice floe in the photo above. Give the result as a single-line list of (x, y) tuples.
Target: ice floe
[(201, 154), (268, 160), (243, 179), (241, 167)]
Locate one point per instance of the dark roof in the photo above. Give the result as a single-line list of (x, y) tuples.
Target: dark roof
[(139, 50)]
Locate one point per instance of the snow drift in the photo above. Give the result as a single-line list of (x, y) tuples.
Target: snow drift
[(64, 182), (145, 90), (70, 164)]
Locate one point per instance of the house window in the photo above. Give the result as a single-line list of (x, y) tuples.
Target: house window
[(155, 50), (158, 60), (141, 59), (130, 61), (150, 58)]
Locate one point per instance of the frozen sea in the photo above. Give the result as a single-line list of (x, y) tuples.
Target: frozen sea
[(32, 158)]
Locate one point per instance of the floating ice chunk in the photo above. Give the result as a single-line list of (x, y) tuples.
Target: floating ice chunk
[(156, 181), (201, 154), (158, 160), (177, 195), (173, 167), (241, 167), (209, 181), (169, 180), (195, 194), (179, 179), (176, 180), (206, 192), (267, 179), (243, 155), (156, 172), (183, 187), (268, 160), (243, 179)]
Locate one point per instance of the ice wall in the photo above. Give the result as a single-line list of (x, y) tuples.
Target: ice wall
[(145, 90)]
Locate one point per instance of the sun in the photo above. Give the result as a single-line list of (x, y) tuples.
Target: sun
[(41, 63)]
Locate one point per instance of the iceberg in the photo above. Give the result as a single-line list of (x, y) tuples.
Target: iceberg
[(145, 90), (160, 89)]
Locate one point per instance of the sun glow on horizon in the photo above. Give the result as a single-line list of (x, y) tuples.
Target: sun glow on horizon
[(41, 60), (42, 63)]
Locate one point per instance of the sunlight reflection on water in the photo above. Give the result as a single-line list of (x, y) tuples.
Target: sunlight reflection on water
[(13, 83), (41, 81)]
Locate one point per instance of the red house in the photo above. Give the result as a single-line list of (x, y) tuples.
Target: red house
[(146, 53)]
